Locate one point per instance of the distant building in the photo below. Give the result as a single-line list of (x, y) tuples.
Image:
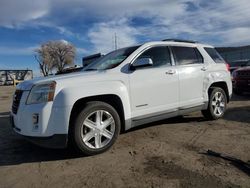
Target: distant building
[(232, 54), (9, 77)]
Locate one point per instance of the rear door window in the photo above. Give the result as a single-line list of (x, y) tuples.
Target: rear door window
[(214, 55), (186, 55)]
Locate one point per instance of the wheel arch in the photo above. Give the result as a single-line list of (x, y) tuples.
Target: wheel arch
[(222, 85), (111, 99)]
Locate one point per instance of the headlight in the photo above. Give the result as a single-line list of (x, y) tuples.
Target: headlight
[(42, 93)]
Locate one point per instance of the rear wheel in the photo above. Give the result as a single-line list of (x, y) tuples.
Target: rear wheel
[(96, 128), (217, 104)]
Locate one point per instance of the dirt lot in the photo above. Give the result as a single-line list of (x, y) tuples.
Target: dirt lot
[(162, 154)]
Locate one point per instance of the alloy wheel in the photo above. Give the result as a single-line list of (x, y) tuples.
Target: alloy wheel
[(98, 129), (218, 103)]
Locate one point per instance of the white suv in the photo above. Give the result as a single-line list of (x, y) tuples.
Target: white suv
[(123, 89)]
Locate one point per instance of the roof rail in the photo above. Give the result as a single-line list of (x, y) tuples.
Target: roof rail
[(180, 40)]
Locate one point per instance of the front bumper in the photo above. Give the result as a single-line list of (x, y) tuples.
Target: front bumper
[(55, 141), (52, 127)]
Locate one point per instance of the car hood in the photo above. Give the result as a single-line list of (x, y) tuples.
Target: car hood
[(69, 78)]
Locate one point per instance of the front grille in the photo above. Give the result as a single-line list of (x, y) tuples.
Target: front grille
[(243, 74), (16, 101)]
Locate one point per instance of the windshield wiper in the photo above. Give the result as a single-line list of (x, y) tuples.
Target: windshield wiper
[(90, 69)]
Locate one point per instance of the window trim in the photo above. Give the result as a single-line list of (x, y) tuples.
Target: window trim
[(172, 62), (196, 50)]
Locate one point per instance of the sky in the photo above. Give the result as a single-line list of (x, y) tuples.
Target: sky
[(90, 25)]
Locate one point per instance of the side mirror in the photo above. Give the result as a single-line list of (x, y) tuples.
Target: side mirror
[(142, 62)]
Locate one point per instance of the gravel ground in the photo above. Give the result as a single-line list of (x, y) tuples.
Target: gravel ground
[(162, 154)]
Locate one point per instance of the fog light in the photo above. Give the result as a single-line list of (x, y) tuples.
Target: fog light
[(35, 118)]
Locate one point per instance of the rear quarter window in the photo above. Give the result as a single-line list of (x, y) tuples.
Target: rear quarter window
[(214, 55)]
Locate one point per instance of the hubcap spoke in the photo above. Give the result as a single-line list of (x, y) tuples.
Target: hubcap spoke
[(213, 103), (222, 104), (215, 110), (98, 140), (216, 96), (107, 122), (219, 111), (88, 136), (107, 134), (221, 97), (90, 124), (99, 115)]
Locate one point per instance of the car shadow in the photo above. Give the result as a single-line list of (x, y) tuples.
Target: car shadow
[(238, 114), (14, 149), (174, 120)]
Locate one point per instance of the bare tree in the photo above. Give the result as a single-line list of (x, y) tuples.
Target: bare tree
[(55, 55), (44, 60)]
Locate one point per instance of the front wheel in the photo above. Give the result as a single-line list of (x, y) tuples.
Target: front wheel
[(96, 128), (217, 104)]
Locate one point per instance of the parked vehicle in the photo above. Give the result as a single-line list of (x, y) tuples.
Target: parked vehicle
[(123, 89), (241, 80), (239, 63)]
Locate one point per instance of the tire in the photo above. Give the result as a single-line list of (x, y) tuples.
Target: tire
[(217, 104), (90, 134)]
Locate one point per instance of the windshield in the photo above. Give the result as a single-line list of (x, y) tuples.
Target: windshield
[(111, 60)]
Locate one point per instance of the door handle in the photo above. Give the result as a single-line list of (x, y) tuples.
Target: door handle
[(171, 72), (204, 68)]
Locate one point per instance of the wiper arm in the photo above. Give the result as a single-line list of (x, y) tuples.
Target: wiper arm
[(90, 69)]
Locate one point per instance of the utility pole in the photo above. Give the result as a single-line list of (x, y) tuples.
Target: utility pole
[(115, 42)]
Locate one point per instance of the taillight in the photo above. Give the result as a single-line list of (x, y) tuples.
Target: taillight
[(228, 67)]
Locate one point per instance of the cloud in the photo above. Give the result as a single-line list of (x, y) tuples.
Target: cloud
[(236, 36), (82, 50), (15, 12), (219, 22), (17, 50), (102, 35)]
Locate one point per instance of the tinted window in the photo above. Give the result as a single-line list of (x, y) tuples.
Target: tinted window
[(160, 55), (187, 55), (214, 55)]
